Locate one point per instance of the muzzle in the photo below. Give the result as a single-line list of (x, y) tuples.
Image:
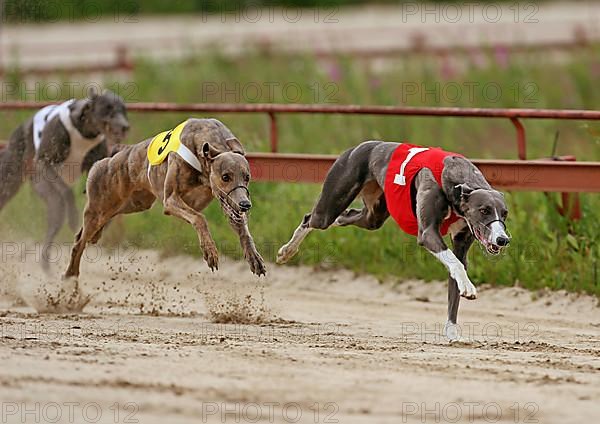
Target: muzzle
[(493, 235), (230, 207), (116, 131)]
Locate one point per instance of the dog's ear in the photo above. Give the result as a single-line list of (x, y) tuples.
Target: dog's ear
[(209, 152), (83, 107), (92, 92), (462, 191), (235, 146)]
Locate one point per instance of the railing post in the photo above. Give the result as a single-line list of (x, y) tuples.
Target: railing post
[(273, 132), (521, 138), (571, 207), (122, 57)]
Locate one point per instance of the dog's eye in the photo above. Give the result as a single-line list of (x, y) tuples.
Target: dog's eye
[(504, 214), (484, 211), (246, 178), (226, 178)]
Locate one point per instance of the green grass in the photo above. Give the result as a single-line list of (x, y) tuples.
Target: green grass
[(547, 251)]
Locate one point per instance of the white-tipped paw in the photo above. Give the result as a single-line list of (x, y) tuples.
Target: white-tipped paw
[(451, 331), (285, 253), (465, 287), (468, 291)]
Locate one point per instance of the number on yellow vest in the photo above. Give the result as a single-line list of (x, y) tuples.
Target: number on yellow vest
[(165, 143)]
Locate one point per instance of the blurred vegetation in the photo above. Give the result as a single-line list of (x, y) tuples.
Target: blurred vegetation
[(20, 11), (547, 249)]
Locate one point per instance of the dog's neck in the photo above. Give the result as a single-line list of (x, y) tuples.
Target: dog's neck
[(455, 201), (454, 198), (472, 176), (83, 120)]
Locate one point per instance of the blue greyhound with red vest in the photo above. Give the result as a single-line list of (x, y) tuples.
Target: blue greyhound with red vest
[(429, 192)]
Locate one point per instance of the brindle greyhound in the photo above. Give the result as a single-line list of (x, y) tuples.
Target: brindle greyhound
[(127, 183), (66, 144), (459, 188)]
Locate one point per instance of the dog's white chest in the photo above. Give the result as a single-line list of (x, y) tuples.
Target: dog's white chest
[(70, 169)]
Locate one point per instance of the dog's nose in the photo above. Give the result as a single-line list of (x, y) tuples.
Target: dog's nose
[(125, 128), (502, 241), (245, 205)]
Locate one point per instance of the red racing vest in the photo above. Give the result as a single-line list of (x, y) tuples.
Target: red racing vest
[(406, 161)]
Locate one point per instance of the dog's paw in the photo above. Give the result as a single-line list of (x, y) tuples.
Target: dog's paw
[(285, 253), (465, 287), (257, 264), (211, 256), (469, 291), (451, 331), (67, 277)]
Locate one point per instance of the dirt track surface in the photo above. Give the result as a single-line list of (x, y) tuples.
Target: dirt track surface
[(326, 347)]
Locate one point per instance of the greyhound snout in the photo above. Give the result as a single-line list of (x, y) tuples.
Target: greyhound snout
[(498, 238), (118, 127), (245, 205)]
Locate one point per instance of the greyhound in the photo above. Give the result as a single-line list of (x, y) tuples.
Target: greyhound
[(54, 147), (209, 162), (428, 191)]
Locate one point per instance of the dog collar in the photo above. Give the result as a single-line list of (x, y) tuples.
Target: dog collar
[(170, 141)]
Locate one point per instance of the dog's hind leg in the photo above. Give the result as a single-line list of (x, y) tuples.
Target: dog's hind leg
[(93, 222), (344, 181), (13, 160), (55, 214), (137, 203), (372, 215), (104, 201), (71, 208)]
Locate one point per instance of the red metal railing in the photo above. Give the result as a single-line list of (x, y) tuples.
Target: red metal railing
[(538, 175), (271, 109)]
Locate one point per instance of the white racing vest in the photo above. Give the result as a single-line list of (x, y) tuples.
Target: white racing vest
[(70, 169)]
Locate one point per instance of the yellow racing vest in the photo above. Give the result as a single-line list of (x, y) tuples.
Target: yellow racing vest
[(170, 141)]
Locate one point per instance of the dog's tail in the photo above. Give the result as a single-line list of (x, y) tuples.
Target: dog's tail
[(12, 166)]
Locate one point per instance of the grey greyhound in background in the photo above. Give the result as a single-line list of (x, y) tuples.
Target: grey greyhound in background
[(65, 146), (459, 189)]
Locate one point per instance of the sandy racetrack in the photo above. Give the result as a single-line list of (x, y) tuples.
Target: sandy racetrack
[(323, 347)]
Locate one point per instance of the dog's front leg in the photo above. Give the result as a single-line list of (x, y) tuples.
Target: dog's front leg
[(257, 264), (174, 205), (432, 207), (462, 239)]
